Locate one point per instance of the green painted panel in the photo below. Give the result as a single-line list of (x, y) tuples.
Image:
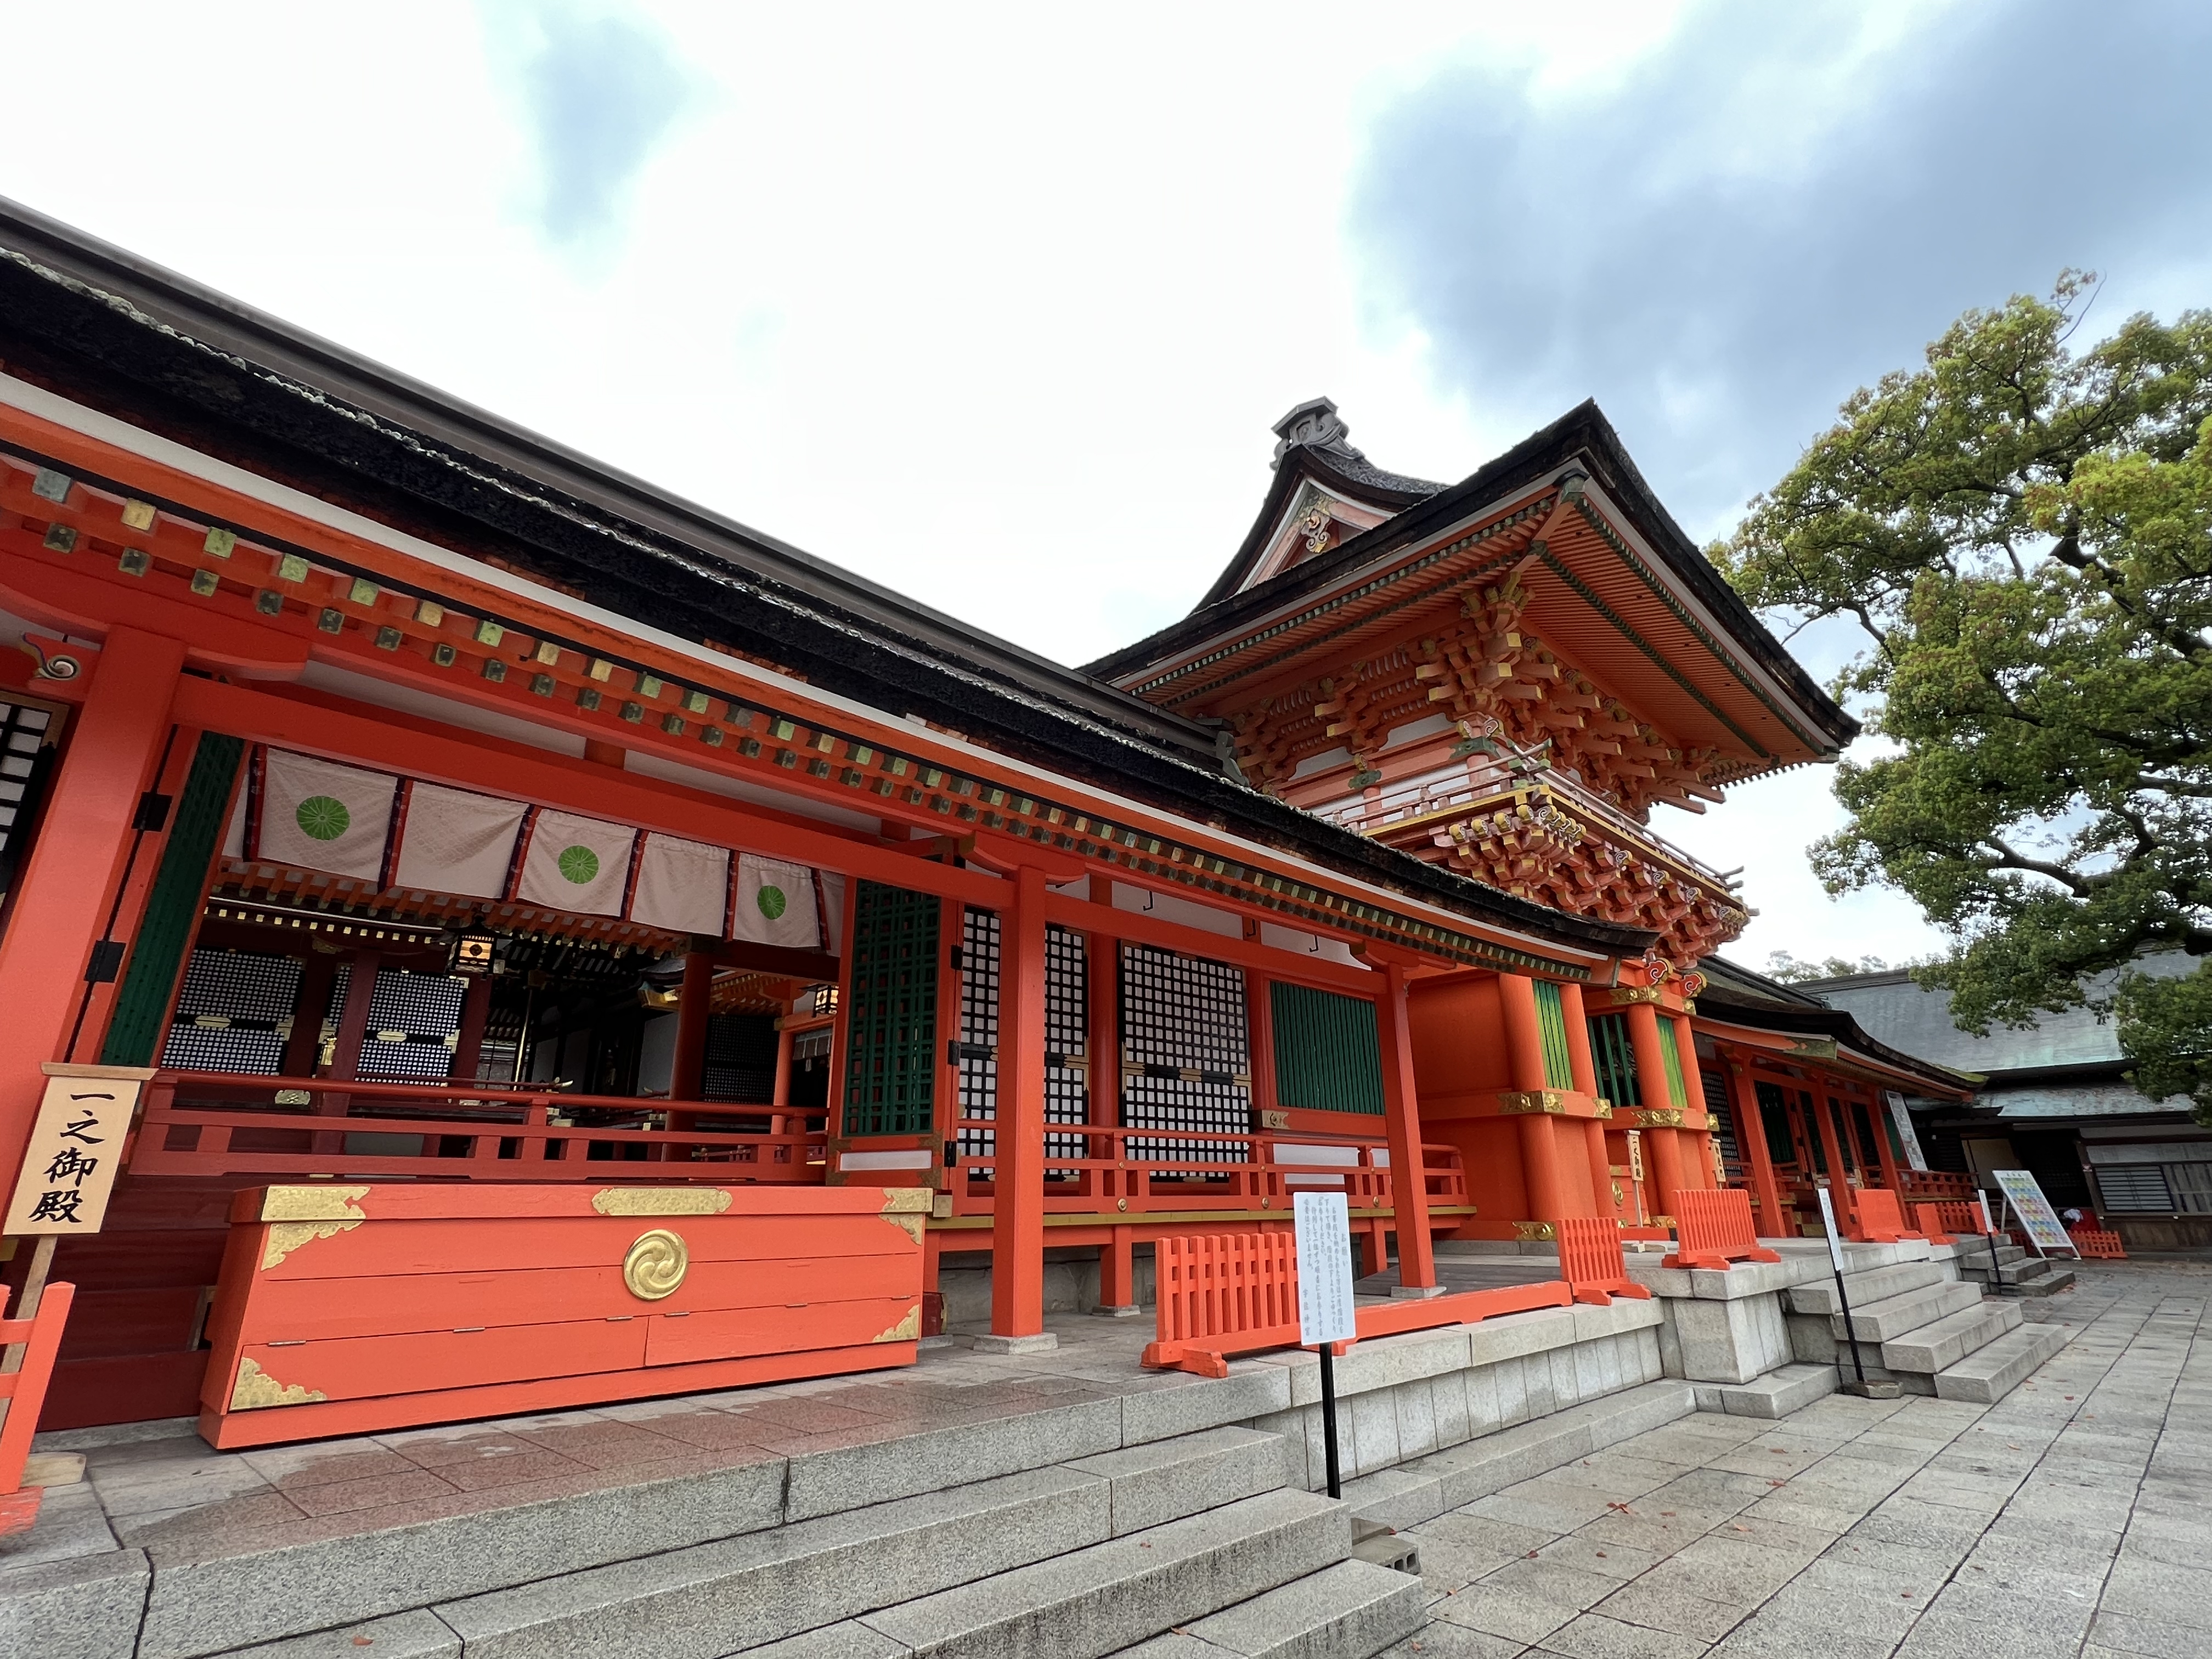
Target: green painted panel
[(1552, 1027), (173, 908), (1615, 1059), (1673, 1055), (891, 1030), (1329, 1054)]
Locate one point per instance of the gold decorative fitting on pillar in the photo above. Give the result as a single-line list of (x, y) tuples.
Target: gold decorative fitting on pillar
[(256, 1388), (1660, 1117), (1632, 993), (1516, 1102), (659, 1200), (1604, 1110), (656, 1264), (1533, 1231), (1666, 1221)]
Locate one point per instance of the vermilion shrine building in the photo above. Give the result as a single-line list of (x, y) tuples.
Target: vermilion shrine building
[(427, 805)]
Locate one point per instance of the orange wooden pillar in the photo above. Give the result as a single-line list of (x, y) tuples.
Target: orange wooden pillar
[(1839, 1184), (694, 1009), (468, 1043), (1401, 1109), (64, 892), (1751, 1140), (1018, 1205), (1584, 1066), (1661, 1140), (1699, 1156), (1102, 1050), (1539, 1152)]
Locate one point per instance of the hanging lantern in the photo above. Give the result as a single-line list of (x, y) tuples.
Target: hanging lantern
[(825, 999), (472, 952)]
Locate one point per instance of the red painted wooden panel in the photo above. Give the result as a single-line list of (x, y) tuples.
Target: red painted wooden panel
[(739, 1331), (355, 1367), (375, 1251), (128, 1388)]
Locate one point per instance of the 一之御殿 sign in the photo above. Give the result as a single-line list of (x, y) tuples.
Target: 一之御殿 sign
[(75, 1148)]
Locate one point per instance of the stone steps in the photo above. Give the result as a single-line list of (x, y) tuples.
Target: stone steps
[(2027, 1275), (1993, 1371), (1775, 1394), (1942, 1344), (1877, 1322), (1875, 1284), (1350, 1611)]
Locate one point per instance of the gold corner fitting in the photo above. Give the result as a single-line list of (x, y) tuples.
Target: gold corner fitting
[(660, 1201), (255, 1388), (320, 1202), (1514, 1103), (1660, 1117), (1529, 1231), (908, 1330), (655, 1265), (1628, 994)]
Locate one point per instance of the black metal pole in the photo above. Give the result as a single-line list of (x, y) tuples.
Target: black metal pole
[(1328, 1417), (1850, 1335)]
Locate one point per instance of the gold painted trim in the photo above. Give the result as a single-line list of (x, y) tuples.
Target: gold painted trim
[(1514, 1103), (656, 1263), (908, 1197), (1532, 1230), (1604, 1110), (660, 1201), (320, 1202), (1632, 993), (907, 1330), (908, 1222), (286, 1237), (1660, 1117), (255, 1388)]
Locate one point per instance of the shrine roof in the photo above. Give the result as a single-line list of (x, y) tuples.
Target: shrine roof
[(1734, 995), (1696, 660), (122, 335)]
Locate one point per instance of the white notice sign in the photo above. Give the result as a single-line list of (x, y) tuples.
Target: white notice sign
[(1324, 1243), (1907, 1137), (1828, 1224), (2045, 1229), (75, 1150)]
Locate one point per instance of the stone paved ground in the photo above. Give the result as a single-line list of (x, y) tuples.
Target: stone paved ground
[(2073, 1518)]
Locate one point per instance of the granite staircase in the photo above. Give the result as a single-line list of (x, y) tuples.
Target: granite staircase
[(1921, 1326), (1196, 1547), (2016, 1270)]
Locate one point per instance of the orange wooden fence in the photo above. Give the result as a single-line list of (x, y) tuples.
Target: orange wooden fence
[(1937, 1219), (1879, 1221), (1712, 1227), (352, 1310), (1230, 1294), (1591, 1261), (23, 1394), (2097, 1242)]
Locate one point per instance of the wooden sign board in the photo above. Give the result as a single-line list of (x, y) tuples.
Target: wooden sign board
[(75, 1149), (2045, 1229)]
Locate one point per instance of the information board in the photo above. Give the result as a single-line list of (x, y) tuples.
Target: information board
[(1323, 1222), (77, 1146), (2045, 1229)]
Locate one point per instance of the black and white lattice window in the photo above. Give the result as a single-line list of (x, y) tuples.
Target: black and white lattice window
[(414, 1021), (1065, 1097), (1186, 1054), (234, 1014)]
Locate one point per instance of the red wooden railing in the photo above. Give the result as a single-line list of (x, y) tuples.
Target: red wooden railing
[(1934, 1186), (1879, 1221), (2097, 1243), (1591, 1261), (1228, 1293), (23, 1395), (205, 1123), (1712, 1227), (1125, 1169), (1938, 1220)]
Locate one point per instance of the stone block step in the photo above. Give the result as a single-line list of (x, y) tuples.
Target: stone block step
[(1942, 1345), (2035, 1276), (1778, 1394), (1428, 1486), (1877, 1322), (1352, 1610), (1819, 1297), (1098, 1600), (1991, 1372)]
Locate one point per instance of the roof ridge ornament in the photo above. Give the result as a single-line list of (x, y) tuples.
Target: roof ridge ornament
[(1313, 424)]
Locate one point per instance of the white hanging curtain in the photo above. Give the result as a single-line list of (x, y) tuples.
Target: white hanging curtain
[(575, 864), (682, 885), (453, 841), (323, 815), (775, 904)]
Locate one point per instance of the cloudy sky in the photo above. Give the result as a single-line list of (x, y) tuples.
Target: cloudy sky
[(996, 305)]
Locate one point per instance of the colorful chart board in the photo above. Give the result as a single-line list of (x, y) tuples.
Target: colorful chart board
[(2044, 1228)]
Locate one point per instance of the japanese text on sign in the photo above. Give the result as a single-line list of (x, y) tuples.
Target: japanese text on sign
[(75, 1148), (1324, 1222)]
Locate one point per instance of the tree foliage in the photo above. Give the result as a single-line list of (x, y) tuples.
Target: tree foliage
[(1786, 970), (2023, 532)]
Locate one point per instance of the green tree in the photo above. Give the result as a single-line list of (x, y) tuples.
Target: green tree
[(2023, 532)]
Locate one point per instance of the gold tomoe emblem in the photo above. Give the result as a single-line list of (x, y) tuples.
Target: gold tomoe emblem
[(656, 1265)]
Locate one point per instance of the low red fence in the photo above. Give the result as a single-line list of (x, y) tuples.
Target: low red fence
[(1138, 1170), (23, 1395), (210, 1123), (1712, 1227), (2097, 1243), (1934, 1186), (1879, 1220), (1230, 1294), (1591, 1261)]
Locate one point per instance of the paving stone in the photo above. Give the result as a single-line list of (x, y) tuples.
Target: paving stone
[(87, 1606), (1353, 1607), (1594, 1636), (418, 1635), (1648, 1604), (2155, 1638)]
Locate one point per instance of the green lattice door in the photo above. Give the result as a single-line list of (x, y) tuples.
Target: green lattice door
[(890, 1031)]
